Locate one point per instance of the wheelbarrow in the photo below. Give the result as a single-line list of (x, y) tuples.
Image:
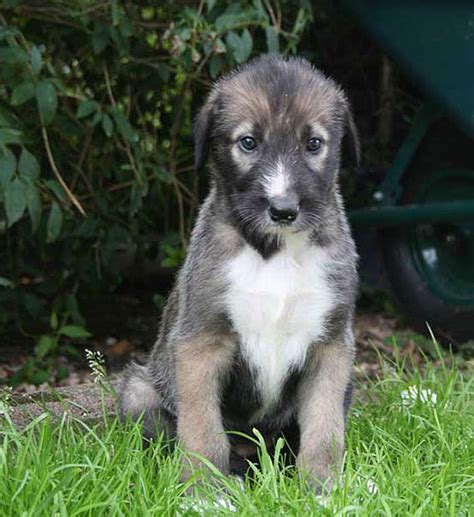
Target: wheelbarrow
[(424, 207)]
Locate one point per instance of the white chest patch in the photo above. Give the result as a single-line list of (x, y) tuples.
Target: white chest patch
[(278, 307)]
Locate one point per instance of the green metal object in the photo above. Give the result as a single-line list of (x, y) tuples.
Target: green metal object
[(436, 47), (408, 214), (443, 253), (390, 189), (433, 40)]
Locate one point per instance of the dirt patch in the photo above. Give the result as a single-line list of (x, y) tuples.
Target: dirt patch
[(376, 334)]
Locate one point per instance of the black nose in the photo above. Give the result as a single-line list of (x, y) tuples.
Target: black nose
[(283, 210)]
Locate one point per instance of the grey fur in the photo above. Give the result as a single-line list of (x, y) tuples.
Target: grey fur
[(196, 306)]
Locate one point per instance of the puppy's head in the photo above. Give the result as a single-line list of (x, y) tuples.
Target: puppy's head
[(272, 133)]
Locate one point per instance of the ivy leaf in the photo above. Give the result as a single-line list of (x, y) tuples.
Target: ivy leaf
[(47, 101), (15, 201), (86, 108), (35, 59), (107, 125), (74, 331), (7, 167), (273, 45), (22, 92), (28, 166), (33, 202), (55, 222)]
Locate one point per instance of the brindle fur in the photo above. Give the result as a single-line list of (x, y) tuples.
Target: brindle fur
[(196, 383)]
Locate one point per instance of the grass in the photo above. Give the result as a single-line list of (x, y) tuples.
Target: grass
[(410, 451)]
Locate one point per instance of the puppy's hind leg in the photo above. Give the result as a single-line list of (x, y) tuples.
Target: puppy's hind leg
[(139, 399)]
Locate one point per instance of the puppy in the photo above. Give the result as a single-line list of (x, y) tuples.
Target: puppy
[(258, 329)]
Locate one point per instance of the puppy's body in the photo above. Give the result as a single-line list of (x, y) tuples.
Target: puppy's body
[(257, 331)]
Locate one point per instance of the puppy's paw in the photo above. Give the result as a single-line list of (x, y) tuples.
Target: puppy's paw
[(320, 473)]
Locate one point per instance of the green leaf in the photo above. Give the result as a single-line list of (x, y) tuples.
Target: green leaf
[(241, 46), (22, 92), (107, 125), (33, 201), (226, 21), (45, 345), (273, 45), (35, 60), (47, 101), (15, 201), (8, 118), (10, 136), (40, 376), (33, 304), (115, 13), (28, 166), (57, 190), (7, 167), (247, 44), (74, 331), (97, 118), (13, 55), (215, 66), (53, 322), (86, 108), (100, 36), (229, 21), (210, 4), (4, 282), (220, 46), (233, 41), (164, 72), (124, 127), (55, 221)]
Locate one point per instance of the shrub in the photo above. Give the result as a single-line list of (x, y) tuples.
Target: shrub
[(96, 106)]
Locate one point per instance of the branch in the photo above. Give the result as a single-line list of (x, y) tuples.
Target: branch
[(70, 195)]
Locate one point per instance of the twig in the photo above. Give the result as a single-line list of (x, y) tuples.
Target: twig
[(128, 151), (70, 195), (271, 12)]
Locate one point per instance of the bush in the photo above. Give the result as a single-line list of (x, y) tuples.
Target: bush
[(96, 106)]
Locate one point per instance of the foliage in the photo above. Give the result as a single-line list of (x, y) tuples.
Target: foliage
[(409, 452), (96, 106)]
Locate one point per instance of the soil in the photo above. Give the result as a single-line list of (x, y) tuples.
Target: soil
[(376, 333)]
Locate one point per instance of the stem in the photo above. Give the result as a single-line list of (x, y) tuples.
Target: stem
[(55, 169)]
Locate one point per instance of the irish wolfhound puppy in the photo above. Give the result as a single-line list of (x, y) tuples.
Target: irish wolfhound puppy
[(258, 329)]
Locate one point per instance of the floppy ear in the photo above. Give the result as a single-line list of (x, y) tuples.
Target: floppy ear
[(353, 134), (202, 132)]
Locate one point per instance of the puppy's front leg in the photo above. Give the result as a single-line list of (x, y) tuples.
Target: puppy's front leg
[(201, 364), (321, 409)]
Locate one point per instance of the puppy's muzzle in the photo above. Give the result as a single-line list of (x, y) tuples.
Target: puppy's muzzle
[(283, 209)]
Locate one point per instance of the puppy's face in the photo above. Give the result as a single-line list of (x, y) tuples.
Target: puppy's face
[(273, 132)]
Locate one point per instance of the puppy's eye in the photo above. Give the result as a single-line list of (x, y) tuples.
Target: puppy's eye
[(248, 144), (314, 145)]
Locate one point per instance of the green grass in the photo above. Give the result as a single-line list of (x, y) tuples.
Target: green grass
[(403, 459)]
